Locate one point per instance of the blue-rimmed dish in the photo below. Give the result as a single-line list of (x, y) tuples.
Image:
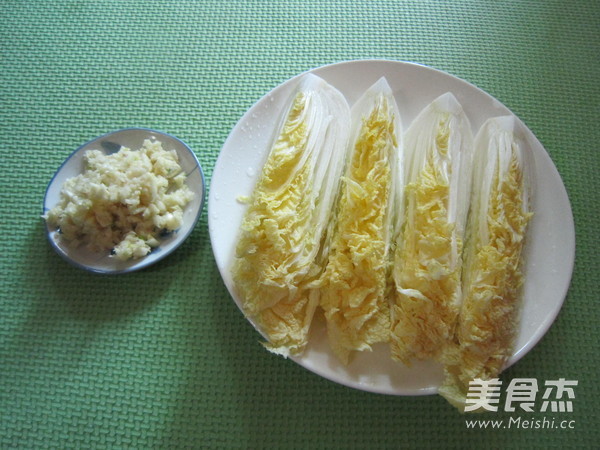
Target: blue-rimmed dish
[(109, 143)]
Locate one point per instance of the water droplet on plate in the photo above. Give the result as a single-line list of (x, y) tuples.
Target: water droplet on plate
[(250, 171)]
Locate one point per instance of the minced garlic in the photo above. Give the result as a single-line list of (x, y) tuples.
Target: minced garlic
[(124, 201)]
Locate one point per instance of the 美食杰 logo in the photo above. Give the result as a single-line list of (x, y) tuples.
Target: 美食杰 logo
[(522, 395)]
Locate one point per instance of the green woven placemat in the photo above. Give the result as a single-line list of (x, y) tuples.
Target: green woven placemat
[(162, 357)]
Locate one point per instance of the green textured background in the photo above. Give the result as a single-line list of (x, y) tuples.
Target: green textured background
[(163, 358)]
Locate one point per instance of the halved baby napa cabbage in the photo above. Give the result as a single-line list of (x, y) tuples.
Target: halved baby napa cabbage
[(427, 262), (282, 247), (493, 272), (353, 287)]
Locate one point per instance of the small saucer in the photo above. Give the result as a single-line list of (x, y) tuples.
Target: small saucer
[(110, 143)]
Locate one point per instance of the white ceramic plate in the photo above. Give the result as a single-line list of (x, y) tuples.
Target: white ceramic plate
[(132, 138), (551, 247)]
